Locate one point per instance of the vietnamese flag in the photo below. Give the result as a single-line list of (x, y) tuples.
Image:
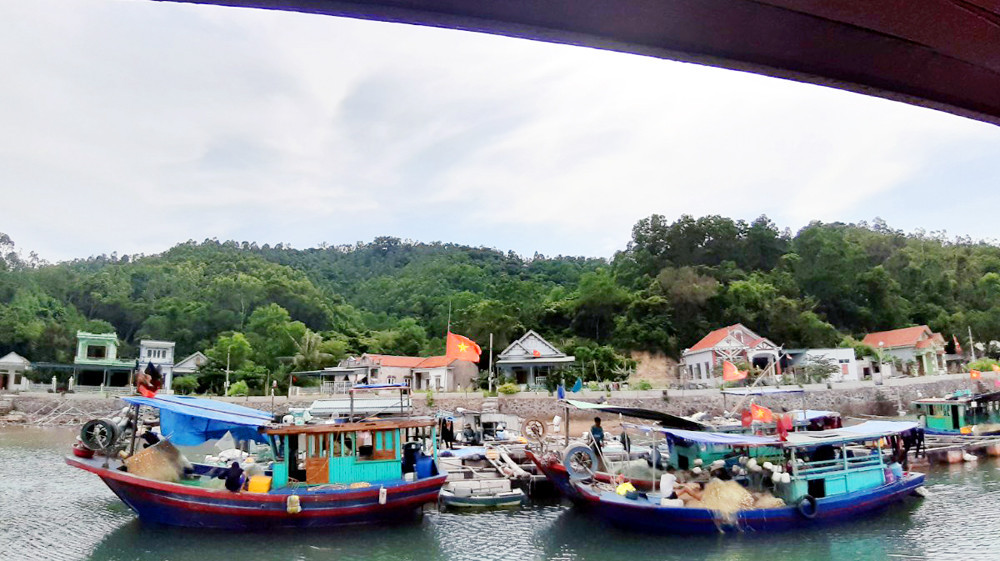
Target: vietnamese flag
[(975, 374), (462, 348), (762, 414), (730, 373)]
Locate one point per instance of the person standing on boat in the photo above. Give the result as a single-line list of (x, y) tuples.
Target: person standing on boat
[(597, 433), (448, 434)]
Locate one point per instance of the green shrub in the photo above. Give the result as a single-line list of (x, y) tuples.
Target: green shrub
[(643, 385), (983, 364), (430, 398), (184, 384), (509, 389), (239, 388), (593, 386)]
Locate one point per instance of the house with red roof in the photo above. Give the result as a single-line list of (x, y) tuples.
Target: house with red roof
[(918, 347), (438, 373), (735, 343)]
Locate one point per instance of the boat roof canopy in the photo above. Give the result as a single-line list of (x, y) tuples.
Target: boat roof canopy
[(190, 421), (869, 430), (730, 439), (664, 419), (373, 424)]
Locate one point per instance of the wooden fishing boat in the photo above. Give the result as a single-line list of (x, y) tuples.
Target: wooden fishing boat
[(481, 493), (321, 474), (816, 490), (960, 413)]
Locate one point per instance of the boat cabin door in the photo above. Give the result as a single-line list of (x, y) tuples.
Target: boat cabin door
[(317, 458), (956, 418)]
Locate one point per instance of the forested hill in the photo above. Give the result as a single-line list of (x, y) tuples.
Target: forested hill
[(672, 283)]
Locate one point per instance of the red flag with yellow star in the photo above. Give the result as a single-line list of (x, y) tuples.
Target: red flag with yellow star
[(462, 348)]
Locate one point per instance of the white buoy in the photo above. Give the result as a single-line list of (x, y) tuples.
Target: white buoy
[(752, 463), (696, 470), (970, 457), (786, 478), (768, 465), (698, 462)]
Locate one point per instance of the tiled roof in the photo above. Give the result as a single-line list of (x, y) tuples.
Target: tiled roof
[(436, 362), (905, 337), (714, 338), (411, 361), (711, 340)]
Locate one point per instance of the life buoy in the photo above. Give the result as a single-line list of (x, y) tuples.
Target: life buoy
[(580, 461), (807, 506)]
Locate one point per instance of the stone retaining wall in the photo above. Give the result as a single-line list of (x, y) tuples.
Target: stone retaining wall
[(858, 399)]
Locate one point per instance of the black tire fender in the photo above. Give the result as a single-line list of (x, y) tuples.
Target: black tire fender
[(808, 507)]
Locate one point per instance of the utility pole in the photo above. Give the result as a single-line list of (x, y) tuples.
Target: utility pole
[(229, 348), (489, 373), (972, 345)]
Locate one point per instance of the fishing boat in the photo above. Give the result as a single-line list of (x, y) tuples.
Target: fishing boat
[(642, 463), (960, 413), (830, 475), (481, 493), (317, 475)]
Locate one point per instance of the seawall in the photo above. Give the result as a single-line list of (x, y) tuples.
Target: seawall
[(852, 398)]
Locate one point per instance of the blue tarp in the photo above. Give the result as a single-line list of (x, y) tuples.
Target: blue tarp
[(189, 421), (869, 430), (728, 439)]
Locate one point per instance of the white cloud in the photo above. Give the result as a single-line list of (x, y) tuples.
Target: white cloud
[(131, 126)]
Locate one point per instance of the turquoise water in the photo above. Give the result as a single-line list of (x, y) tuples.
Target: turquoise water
[(49, 511)]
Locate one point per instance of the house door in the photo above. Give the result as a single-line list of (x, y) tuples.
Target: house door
[(318, 459)]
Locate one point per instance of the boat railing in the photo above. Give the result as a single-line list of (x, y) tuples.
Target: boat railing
[(823, 468)]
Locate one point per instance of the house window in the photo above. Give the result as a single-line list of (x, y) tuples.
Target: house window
[(390, 380), (97, 351)]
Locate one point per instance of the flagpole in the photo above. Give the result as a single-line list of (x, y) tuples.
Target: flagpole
[(449, 315), (489, 374), (972, 345)]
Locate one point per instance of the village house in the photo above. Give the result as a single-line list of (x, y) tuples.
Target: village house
[(918, 349), (735, 343), (96, 362), (160, 354), (190, 364), (797, 362), (437, 373), (530, 360), (12, 369)]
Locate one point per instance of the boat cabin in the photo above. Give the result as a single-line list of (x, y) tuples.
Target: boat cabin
[(369, 451), (960, 413)]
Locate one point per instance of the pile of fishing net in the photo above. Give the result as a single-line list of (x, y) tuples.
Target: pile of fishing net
[(726, 497)]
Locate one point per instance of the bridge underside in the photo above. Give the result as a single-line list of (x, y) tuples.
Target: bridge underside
[(943, 54)]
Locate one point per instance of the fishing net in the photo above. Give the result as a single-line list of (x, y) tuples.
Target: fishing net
[(162, 462), (726, 498)]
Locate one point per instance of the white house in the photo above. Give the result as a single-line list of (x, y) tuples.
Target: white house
[(12, 368), (438, 373), (735, 343), (849, 370), (190, 364), (161, 354), (531, 360)]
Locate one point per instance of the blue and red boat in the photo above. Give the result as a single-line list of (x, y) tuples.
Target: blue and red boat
[(321, 474), (822, 477)]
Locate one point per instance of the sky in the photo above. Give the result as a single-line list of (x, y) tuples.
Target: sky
[(130, 126)]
